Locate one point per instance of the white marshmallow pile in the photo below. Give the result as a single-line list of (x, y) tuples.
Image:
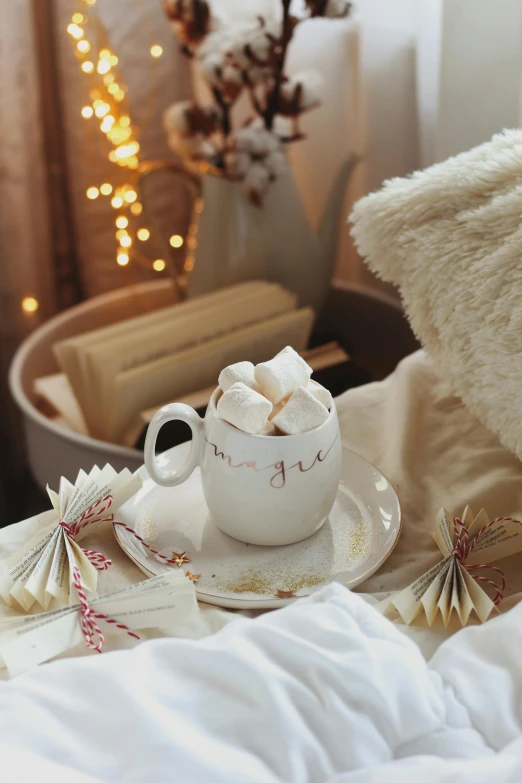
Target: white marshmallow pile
[(273, 398)]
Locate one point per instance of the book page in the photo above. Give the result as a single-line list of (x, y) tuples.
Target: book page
[(443, 532), (501, 540), (58, 392), (408, 602)]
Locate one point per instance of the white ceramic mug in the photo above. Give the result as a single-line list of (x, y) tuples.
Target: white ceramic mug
[(260, 489)]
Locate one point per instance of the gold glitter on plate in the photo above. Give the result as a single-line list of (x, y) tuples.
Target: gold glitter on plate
[(266, 581), (147, 529)]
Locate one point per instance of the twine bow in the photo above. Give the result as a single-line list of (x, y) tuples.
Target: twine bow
[(464, 547), (93, 635)]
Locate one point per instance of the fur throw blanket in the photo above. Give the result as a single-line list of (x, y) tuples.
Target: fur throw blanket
[(450, 238)]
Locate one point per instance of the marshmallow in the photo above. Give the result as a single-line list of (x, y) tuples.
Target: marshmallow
[(301, 413), (276, 408), (245, 408), (320, 393), (242, 372), (282, 375), (268, 429)]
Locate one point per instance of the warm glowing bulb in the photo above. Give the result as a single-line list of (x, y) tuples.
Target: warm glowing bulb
[(116, 202), (198, 206), (77, 18), (120, 233), (83, 46), (113, 88), (130, 196), (136, 208), (30, 304), (156, 50), (125, 150), (126, 241), (119, 96), (87, 67), (192, 242), (121, 221), (75, 31), (90, 2), (93, 193), (143, 234), (159, 265), (176, 240), (124, 120), (105, 54), (106, 189), (87, 112), (112, 156), (188, 266), (132, 162), (108, 78), (101, 111), (113, 59), (104, 66), (122, 259)]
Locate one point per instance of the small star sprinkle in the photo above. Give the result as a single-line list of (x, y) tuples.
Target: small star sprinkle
[(180, 558), (285, 594), (193, 577)]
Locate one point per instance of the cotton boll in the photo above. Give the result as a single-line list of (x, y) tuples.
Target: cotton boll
[(257, 178), (261, 46), (255, 183), (301, 93), (232, 75), (276, 163), (237, 164), (175, 117), (194, 147), (211, 68), (244, 139)]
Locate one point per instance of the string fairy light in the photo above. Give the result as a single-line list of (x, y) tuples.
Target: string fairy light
[(30, 304), (108, 109)]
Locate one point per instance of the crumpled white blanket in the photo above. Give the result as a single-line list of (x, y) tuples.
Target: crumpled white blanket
[(325, 690)]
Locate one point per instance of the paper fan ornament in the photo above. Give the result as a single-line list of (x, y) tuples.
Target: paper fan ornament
[(458, 583), (52, 566)]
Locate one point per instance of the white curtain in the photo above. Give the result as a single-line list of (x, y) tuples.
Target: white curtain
[(469, 73)]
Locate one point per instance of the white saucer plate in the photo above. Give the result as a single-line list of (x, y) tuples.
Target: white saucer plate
[(359, 536)]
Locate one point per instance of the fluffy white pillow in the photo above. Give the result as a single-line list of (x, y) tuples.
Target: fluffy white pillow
[(450, 237)]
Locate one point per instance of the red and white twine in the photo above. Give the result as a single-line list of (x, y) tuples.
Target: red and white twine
[(464, 547), (93, 635)]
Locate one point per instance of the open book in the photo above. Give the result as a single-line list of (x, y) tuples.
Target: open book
[(119, 370)]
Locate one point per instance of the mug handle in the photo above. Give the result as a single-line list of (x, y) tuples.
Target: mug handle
[(174, 411)]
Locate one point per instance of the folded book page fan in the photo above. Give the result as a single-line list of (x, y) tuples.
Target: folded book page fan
[(458, 583)]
